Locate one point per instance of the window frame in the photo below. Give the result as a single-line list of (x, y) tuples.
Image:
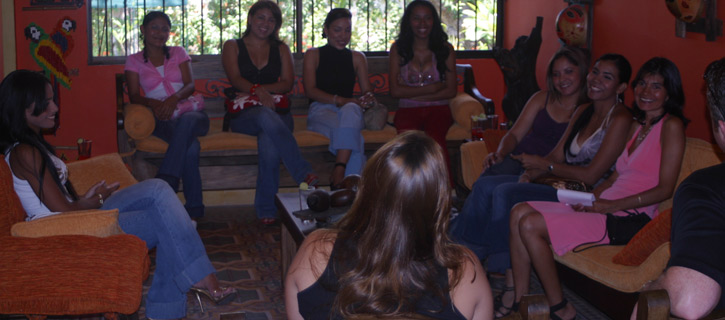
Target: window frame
[(460, 54)]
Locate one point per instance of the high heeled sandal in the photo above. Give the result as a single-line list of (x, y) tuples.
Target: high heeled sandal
[(219, 297), (557, 307), (499, 309), (338, 185), (312, 180)]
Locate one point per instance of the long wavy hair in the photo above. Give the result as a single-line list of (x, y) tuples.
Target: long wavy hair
[(576, 57), (437, 41), (624, 73), (20, 90), (276, 13), (715, 86), (395, 235), (151, 16), (672, 83)]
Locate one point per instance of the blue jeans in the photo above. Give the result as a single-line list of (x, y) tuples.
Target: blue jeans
[(182, 156), (342, 126), (151, 211), (275, 142), (483, 224)]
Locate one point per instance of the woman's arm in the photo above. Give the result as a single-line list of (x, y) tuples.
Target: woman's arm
[(360, 62), (612, 146), (672, 141), (472, 295), (307, 265), (25, 162), (439, 89), (230, 53), (518, 131)]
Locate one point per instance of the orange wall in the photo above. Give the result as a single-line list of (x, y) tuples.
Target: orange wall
[(626, 27), (639, 30)]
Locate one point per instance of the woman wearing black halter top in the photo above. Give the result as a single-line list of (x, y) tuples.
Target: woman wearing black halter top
[(259, 64)]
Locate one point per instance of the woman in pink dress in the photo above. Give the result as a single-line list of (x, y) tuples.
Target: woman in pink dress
[(646, 174)]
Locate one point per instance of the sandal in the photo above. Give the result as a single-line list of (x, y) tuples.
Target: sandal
[(312, 180), (557, 307), (337, 186), (221, 296), (499, 309)]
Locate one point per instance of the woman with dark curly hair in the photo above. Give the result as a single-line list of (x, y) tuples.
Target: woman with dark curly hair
[(423, 74), (390, 256)]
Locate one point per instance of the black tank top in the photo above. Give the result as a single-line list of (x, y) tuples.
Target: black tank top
[(315, 302), (269, 74), (335, 72)]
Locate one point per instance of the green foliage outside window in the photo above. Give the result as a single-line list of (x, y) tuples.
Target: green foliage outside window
[(202, 26)]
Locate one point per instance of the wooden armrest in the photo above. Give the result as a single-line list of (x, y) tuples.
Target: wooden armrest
[(653, 305), (534, 307), (99, 223), (469, 86), (84, 174)]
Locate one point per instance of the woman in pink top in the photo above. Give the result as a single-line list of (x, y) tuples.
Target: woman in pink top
[(423, 74), (164, 74), (646, 174)]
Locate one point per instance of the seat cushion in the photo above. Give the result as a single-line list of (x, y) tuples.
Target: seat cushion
[(71, 275), (596, 263)]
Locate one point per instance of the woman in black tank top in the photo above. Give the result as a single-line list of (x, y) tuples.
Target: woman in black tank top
[(260, 65), (329, 79)]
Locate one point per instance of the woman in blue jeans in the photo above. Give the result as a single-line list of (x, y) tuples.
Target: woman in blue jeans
[(587, 151), (149, 210), (329, 77), (260, 68), (164, 73)]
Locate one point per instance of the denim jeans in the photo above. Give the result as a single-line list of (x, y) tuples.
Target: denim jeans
[(342, 126), (275, 142), (483, 224), (151, 211), (182, 156)]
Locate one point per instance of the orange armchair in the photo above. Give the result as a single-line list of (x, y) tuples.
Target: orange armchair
[(69, 274)]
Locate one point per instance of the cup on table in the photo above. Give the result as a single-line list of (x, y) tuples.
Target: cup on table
[(492, 121), (504, 126), (476, 129), (84, 148)]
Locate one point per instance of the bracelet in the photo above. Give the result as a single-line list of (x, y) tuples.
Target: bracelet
[(100, 199), (639, 199), (334, 100), (253, 90)]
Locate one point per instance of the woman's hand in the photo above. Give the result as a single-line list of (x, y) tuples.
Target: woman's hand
[(265, 97), (529, 161), (164, 109), (367, 100), (103, 189), (492, 159), (598, 206), (525, 177)]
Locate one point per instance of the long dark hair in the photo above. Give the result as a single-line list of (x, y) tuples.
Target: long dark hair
[(276, 13), (577, 57), (672, 83), (20, 90), (395, 241), (437, 41), (334, 14), (151, 16), (715, 86), (624, 72)]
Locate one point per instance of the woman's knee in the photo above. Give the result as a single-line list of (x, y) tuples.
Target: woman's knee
[(351, 109)]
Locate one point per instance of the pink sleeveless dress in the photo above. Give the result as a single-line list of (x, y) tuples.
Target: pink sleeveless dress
[(638, 171)]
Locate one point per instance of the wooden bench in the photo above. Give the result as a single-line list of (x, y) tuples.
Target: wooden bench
[(229, 160)]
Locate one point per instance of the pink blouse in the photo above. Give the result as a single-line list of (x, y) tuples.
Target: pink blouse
[(153, 81)]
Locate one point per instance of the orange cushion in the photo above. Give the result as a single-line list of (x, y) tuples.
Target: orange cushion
[(654, 234)]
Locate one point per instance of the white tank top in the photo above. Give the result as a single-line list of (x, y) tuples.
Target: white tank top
[(32, 205)]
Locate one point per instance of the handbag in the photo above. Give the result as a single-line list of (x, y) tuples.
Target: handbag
[(563, 183), (237, 101), (195, 102), (621, 229), (376, 116)]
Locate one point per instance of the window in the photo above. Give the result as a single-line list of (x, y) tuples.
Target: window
[(202, 26)]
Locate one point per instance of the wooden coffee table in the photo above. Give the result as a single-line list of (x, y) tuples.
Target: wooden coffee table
[(294, 230)]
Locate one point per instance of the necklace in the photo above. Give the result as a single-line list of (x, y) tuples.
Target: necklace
[(643, 133)]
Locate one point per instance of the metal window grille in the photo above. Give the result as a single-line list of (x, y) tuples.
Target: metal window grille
[(202, 26)]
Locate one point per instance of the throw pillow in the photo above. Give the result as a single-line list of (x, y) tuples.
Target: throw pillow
[(654, 234)]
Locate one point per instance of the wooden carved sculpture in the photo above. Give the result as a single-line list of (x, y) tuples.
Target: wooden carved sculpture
[(519, 71)]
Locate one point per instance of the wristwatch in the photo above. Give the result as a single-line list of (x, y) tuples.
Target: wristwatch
[(551, 167)]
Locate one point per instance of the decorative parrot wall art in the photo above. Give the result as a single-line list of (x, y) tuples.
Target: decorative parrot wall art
[(50, 52)]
